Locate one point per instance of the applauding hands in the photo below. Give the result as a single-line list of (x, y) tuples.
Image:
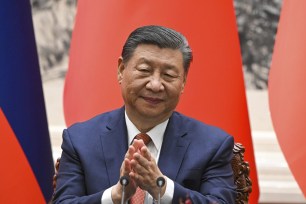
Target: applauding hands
[(140, 166)]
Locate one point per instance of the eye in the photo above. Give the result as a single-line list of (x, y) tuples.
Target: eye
[(169, 75), (143, 70), (143, 67)]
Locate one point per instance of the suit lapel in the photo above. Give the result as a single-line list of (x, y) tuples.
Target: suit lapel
[(114, 144), (174, 147)]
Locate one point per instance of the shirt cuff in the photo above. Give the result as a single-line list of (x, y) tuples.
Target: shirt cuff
[(168, 196), (107, 196)]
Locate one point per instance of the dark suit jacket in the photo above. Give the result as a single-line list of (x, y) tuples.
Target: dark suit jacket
[(194, 155)]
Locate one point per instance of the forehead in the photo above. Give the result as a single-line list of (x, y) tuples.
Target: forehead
[(154, 53)]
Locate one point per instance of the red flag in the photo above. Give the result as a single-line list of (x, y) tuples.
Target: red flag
[(17, 175), (287, 87), (214, 92)]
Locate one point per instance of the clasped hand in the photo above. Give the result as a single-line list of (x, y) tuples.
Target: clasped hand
[(142, 170)]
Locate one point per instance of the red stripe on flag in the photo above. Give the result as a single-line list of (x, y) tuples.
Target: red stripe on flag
[(18, 183), (287, 87), (214, 92)]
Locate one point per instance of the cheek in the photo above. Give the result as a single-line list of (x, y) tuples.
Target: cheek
[(134, 87), (126, 81), (176, 90)]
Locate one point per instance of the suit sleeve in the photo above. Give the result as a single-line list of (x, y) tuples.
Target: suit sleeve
[(217, 181), (70, 182)]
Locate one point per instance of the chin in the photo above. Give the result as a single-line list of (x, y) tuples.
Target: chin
[(150, 113), (153, 114)]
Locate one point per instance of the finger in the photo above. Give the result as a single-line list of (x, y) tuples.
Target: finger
[(139, 159), (138, 168), (126, 167), (141, 165), (145, 168), (146, 153), (135, 177), (144, 158), (129, 154), (134, 164), (131, 151), (144, 178), (138, 144), (126, 164), (125, 171)]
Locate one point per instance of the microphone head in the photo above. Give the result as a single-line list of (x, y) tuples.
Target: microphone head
[(160, 181), (124, 180)]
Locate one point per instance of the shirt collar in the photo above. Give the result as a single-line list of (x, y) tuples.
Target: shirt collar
[(156, 133)]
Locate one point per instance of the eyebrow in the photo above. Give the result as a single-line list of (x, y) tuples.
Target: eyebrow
[(145, 60), (150, 62)]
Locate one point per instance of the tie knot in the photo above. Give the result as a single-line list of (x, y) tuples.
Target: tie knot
[(143, 136)]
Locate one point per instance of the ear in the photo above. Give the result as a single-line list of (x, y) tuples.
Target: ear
[(120, 70), (184, 83)]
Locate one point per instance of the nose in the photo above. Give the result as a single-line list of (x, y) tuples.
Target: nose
[(155, 83)]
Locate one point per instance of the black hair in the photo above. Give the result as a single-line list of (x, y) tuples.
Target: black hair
[(160, 36)]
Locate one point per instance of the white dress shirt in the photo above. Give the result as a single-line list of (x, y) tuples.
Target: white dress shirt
[(157, 135)]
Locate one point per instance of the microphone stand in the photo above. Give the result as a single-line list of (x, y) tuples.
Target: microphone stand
[(124, 181), (160, 181)]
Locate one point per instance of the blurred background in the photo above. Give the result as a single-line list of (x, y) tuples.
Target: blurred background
[(257, 22)]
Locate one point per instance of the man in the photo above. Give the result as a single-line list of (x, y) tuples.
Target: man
[(193, 158)]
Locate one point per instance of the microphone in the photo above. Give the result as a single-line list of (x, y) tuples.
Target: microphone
[(124, 181), (160, 182)]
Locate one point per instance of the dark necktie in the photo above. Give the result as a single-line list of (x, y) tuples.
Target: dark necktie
[(143, 136)]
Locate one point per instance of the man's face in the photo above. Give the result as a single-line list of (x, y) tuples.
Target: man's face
[(152, 82)]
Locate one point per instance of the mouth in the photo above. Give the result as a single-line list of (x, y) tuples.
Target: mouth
[(152, 100)]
